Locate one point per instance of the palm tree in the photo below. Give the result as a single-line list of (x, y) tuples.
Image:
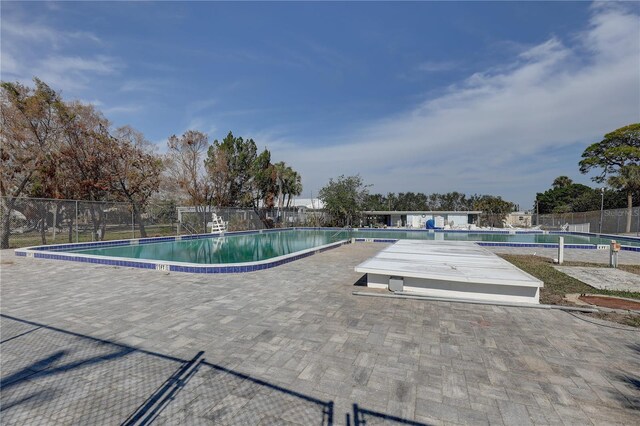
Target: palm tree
[(294, 185), (562, 182), (289, 183), (628, 180), (281, 171)]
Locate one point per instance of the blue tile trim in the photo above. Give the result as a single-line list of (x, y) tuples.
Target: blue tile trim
[(541, 245), (605, 236)]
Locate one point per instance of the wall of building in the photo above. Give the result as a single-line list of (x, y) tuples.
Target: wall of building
[(519, 219)]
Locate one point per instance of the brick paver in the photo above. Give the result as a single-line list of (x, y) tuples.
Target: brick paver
[(90, 344)]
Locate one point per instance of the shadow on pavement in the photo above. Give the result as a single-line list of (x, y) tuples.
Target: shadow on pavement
[(362, 417), (51, 374)]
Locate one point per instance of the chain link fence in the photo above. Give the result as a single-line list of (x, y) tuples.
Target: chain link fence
[(197, 219), (614, 221), (36, 221)]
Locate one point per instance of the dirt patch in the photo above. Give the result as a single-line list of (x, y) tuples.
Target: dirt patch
[(626, 319), (558, 284), (611, 302)]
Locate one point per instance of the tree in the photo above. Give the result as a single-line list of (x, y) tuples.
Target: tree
[(618, 154), (80, 161), (627, 180), (229, 164), (80, 158), (590, 200), (344, 198), (242, 178), (374, 202), (217, 166), (135, 169), (289, 183), (293, 185), (563, 199), (408, 201), (264, 186), (64, 150), (494, 209), (28, 129), (185, 160), (562, 182)]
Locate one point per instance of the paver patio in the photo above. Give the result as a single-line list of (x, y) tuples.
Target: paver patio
[(90, 344)]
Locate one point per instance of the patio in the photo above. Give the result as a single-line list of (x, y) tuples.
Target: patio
[(89, 344)]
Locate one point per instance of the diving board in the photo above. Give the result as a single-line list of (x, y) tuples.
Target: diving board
[(450, 269)]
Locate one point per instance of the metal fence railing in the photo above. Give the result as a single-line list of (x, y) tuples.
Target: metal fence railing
[(36, 221), (614, 221), (242, 219)]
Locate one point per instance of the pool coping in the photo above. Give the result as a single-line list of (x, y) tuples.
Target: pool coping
[(54, 252)]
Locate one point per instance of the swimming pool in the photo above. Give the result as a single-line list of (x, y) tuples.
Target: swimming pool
[(222, 249), (255, 250)]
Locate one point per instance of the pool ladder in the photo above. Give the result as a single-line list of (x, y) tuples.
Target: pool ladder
[(188, 228), (338, 233)]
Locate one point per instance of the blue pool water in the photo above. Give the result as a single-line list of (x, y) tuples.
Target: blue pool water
[(257, 247)]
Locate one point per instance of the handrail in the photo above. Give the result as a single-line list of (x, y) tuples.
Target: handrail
[(339, 232), (188, 227)]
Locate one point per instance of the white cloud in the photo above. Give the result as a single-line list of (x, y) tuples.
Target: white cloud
[(495, 131), (121, 109), (30, 48), (72, 73), (10, 65), (94, 102), (203, 125), (99, 64), (21, 29)]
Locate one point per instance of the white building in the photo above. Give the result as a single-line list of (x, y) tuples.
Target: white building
[(418, 219), (520, 219), (307, 203)]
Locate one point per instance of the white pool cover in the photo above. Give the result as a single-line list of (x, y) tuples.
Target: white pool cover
[(451, 269)]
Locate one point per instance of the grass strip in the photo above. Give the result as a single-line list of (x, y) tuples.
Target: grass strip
[(557, 284)]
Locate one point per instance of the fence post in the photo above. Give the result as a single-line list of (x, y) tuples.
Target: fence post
[(560, 250), (133, 224), (55, 222), (76, 221)]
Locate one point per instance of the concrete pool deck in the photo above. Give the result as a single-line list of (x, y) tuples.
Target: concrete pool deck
[(92, 344)]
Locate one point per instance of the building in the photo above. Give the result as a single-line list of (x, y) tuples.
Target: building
[(307, 203), (418, 219), (519, 219)]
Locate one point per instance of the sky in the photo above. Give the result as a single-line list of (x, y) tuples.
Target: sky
[(477, 97)]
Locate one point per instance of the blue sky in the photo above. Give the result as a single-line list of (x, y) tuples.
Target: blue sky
[(432, 97)]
